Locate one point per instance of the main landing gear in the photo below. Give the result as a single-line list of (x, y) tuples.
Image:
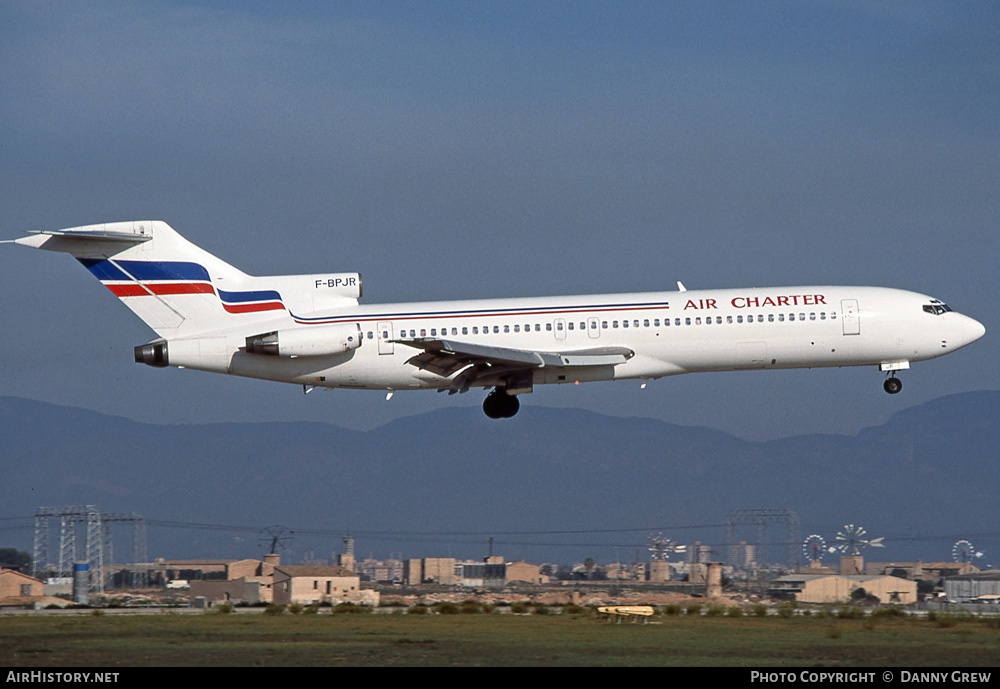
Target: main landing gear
[(499, 405), (892, 384)]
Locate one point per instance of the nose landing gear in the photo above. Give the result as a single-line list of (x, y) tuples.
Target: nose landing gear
[(499, 405), (892, 384)]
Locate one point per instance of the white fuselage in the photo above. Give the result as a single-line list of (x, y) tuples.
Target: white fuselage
[(311, 329), (670, 333)]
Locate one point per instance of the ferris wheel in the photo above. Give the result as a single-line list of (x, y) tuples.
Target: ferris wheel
[(814, 547), (963, 552)]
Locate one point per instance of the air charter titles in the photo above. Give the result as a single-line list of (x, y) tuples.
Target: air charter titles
[(904, 676), (757, 302)]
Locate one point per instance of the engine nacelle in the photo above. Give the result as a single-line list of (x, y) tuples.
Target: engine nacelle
[(153, 354), (318, 340)]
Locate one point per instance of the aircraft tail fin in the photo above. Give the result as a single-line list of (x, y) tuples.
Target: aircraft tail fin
[(174, 286), (181, 290)]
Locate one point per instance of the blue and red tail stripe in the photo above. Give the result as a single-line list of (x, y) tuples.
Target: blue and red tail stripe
[(252, 301), (163, 278)]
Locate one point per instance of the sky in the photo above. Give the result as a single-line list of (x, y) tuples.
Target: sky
[(503, 149)]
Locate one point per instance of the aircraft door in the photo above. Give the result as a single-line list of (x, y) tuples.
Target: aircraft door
[(852, 321), (385, 337), (593, 328), (560, 328)]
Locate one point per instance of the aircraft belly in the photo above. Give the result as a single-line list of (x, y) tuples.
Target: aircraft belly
[(326, 371)]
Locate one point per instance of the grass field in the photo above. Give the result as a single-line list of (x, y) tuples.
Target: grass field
[(212, 639)]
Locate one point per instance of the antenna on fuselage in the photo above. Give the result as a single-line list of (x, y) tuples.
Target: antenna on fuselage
[(681, 287)]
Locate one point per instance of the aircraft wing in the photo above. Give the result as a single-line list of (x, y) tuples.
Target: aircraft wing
[(475, 361)]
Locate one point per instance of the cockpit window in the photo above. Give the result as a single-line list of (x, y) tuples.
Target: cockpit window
[(936, 307)]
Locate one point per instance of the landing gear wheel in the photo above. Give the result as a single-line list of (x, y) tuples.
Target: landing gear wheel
[(892, 385), (499, 405)]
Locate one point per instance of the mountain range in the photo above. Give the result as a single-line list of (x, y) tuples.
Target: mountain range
[(551, 485)]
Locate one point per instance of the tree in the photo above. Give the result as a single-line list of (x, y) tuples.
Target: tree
[(11, 558)]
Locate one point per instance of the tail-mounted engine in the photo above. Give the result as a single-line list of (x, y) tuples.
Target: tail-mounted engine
[(152, 354), (318, 340)]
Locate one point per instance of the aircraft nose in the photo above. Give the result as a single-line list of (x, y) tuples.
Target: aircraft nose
[(971, 330), (974, 329)]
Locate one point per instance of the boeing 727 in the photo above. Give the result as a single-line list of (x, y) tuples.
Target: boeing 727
[(311, 330)]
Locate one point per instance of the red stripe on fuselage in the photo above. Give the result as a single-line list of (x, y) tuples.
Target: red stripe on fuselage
[(251, 308)]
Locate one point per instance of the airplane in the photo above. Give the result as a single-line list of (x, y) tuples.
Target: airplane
[(311, 330)]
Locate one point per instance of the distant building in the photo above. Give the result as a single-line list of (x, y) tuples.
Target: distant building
[(14, 584), (837, 588), (922, 570), (250, 590), (526, 572), (851, 565), (968, 587), (482, 575), (659, 571), (430, 570), (268, 581), (314, 585), (380, 570)]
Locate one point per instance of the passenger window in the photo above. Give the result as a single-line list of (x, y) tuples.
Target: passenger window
[(791, 316), (559, 325), (812, 316), (739, 319), (423, 332), (687, 321), (496, 329), (645, 323), (517, 328), (434, 332), (604, 324), (729, 319), (548, 327), (624, 324), (571, 325), (475, 330), (506, 328), (465, 330)]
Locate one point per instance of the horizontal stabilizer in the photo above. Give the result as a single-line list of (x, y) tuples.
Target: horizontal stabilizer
[(105, 235), (73, 239)]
